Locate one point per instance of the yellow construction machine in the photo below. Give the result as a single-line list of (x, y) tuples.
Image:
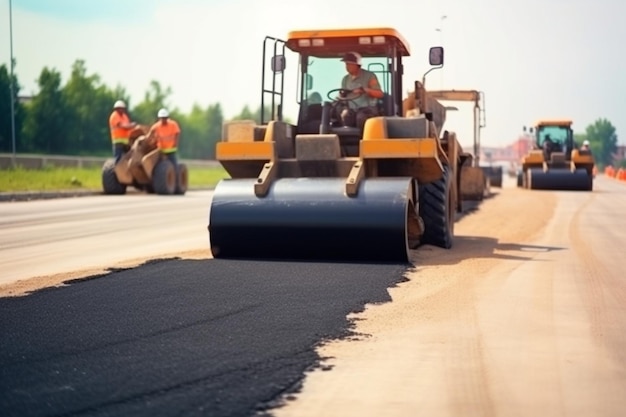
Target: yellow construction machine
[(476, 178), (555, 163), (320, 189), (144, 167)]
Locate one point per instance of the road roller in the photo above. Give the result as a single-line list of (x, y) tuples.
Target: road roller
[(324, 187), (555, 163)]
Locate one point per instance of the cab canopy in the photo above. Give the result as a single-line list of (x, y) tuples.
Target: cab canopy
[(555, 122), (327, 43)]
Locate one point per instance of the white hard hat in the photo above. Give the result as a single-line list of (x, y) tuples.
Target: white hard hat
[(119, 104), (352, 57), (586, 143), (163, 113)]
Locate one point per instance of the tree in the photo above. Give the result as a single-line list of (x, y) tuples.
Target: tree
[(6, 134), (90, 102), (155, 98), (48, 117), (215, 120), (246, 114), (603, 141), (579, 138), (200, 131)]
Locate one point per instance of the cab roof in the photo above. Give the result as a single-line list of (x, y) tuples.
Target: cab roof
[(332, 42), (554, 122)]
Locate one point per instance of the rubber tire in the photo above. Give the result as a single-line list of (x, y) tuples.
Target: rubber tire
[(110, 184), (437, 211), (496, 178), (164, 178), (183, 179), (140, 187)]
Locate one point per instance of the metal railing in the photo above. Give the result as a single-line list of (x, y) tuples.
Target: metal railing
[(40, 161)]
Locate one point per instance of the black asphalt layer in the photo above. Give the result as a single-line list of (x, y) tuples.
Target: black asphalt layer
[(178, 337)]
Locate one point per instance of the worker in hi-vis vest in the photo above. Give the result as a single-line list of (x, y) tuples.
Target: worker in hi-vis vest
[(166, 132), (120, 126)]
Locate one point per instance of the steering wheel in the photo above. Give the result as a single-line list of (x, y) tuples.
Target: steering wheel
[(345, 95)]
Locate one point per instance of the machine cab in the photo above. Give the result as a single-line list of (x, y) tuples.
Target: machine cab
[(555, 136), (321, 70)]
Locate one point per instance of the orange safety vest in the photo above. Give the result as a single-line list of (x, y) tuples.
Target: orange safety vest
[(166, 135), (119, 134)]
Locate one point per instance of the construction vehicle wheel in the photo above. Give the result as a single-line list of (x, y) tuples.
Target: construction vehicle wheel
[(496, 177), (560, 179), (438, 211), (183, 179), (110, 184), (139, 187), (164, 177)]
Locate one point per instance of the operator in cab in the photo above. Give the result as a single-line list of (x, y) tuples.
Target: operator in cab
[(364, 85)]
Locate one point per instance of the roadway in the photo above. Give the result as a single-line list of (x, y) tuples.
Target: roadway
[(524, 316), (46, 237)]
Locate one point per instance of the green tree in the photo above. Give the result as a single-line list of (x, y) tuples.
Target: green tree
[(579, 138), (247, 114), (6, 134), (603, 141), (200, 131), (90, 102), (48, 117), (215, 117), (155, 98)]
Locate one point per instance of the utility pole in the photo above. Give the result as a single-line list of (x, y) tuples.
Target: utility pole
[(13, 157), (440, 30)]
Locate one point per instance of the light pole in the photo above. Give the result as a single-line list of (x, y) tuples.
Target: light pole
[(440, 30), (12, 83)]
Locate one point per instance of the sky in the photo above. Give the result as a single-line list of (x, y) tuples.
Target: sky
[(532, 59)]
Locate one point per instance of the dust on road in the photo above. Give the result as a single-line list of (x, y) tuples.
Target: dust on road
[(424, 349)]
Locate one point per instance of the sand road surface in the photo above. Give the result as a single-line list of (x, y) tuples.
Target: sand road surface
[(524, 317)]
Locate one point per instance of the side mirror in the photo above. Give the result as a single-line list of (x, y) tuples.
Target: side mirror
[(435, 56), (308, 82), (278, 63)]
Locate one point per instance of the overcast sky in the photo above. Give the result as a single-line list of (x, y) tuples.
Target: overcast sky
[(532, 58)]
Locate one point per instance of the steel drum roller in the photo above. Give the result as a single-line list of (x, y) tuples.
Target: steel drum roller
[(560, 179), (312, 218)]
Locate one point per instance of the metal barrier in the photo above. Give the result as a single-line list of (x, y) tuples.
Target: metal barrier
[(39, 161)]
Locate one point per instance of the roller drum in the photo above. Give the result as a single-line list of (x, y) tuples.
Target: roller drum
[(560, 179), (311, 218)]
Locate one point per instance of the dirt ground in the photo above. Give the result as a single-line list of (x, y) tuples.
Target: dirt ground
[(409, 353), (523, 316), (434, 302)]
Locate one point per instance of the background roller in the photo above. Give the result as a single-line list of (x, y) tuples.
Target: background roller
[(556, 162), (312, 218), (559, 179)]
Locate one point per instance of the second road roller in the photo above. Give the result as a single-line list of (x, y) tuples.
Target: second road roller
[(556, 163)]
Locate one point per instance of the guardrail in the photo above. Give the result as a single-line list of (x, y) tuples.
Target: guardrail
[(39, 161)]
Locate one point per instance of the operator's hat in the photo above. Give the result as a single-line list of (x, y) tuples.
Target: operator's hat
[(352, 58)]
